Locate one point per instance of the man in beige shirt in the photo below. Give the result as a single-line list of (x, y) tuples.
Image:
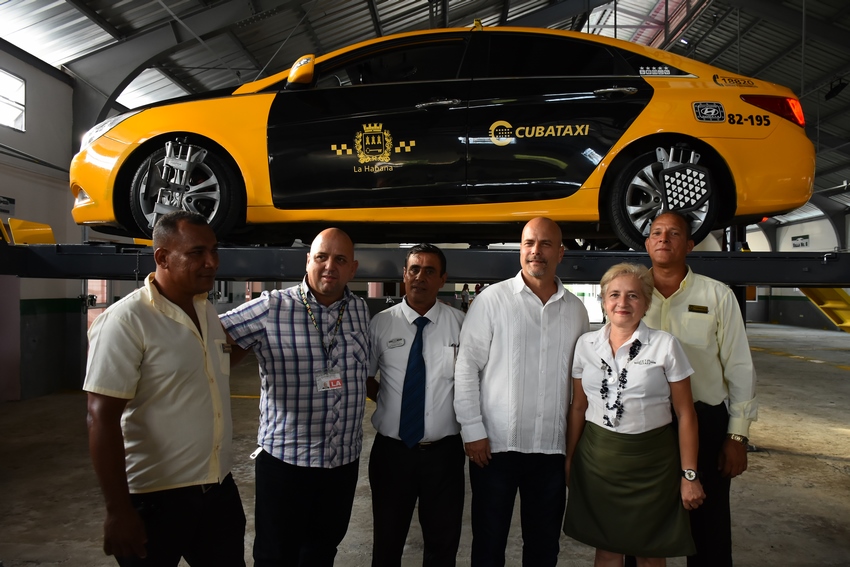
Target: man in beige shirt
[(159, 418), (704, 315)]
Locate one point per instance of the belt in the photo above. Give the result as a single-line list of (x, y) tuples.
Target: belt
[(425, 445)]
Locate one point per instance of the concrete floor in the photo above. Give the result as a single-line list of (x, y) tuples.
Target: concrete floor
[(792, 508)]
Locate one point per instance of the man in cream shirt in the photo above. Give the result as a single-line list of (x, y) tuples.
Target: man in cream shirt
[(511, 396), (160, 429), (704, 315)]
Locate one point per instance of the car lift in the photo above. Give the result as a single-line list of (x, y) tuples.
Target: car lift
[(134, 262)]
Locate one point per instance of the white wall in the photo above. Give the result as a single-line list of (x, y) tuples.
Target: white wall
[(822, 237), (41, 193), (758, 241), (847, 231)]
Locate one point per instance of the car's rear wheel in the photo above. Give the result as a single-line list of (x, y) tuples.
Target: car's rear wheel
[(661, 180), (186, 176)]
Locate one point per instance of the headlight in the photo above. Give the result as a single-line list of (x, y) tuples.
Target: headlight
[(100, 129)]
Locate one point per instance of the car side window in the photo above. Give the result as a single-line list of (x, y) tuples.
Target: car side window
[(519, 55), (416, 62)]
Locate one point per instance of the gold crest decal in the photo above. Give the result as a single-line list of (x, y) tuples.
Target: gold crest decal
[(373, 143)]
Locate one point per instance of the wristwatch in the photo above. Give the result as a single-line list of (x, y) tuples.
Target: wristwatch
[(689, 474), (739, 438)]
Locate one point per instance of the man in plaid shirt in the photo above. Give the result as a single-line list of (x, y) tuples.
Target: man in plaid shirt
[(312, 344)]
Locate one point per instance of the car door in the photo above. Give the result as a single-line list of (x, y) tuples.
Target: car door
[(544, 110), (383, 126)]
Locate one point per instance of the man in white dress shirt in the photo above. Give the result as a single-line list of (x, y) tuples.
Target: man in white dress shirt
[(511, 394), (426, 463)]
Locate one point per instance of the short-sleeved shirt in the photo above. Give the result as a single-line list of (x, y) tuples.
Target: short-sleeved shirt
[(646, 393), (704, 315), (392, 332), (299, 424), (177, 424)]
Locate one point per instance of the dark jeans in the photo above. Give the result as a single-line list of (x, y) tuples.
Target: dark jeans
[(399, 476), (542, 491), (711, 523), (203, 524), (301, 513)]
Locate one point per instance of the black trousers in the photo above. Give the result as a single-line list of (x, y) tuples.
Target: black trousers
[(301, 513), (711, 523), (540, 480), (203, 524), (399, 476)]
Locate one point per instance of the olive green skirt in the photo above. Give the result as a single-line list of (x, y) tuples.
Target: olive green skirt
[(624, 493)]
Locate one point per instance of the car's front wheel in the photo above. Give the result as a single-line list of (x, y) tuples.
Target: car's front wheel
[(186, 176), (665, 179)]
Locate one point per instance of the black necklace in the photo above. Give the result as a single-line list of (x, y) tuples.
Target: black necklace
[(617, 406)]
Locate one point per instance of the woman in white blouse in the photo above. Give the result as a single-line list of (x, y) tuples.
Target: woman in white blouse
[(631, 477)]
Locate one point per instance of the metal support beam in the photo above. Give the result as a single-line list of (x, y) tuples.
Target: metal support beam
[(101, 22), (834, 169), (789, 18), (127, 262), (793, 48), (376, 18), (770, 228), (718, 20), (558, 13), (671, 37), (732, 42), (506, 10), (105, 73)]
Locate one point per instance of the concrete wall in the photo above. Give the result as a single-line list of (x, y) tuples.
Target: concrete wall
[(42, 325)]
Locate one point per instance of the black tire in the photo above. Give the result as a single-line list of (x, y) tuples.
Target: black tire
[(203, 183), (639, 195)]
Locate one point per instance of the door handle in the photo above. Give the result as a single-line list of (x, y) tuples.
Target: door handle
[(439, 103), (614, 91)]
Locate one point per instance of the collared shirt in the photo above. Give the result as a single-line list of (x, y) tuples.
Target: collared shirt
[(299, 424), (704, 315), (392, 332), (511, 377), (177, 425), (645, 394)]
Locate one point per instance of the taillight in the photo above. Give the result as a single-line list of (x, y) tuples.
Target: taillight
[(787, 107)]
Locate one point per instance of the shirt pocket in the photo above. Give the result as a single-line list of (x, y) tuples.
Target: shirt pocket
[(697, 329), (223, 357), (444, 367)]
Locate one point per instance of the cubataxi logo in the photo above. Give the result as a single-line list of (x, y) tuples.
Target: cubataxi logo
[(503, 133)]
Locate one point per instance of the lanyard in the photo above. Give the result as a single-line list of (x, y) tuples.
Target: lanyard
[(327, 349)]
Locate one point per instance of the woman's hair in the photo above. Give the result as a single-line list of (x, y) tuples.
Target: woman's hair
[(641, 272), (466, 286)]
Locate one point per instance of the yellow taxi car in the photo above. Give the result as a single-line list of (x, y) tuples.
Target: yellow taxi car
[(456, 135)]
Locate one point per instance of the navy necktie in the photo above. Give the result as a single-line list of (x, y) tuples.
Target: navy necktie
[(411, 426)]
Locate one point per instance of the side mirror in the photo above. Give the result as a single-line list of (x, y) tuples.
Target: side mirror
[(301, 73)]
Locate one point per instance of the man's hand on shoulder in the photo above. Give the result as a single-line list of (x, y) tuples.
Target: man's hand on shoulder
[(124, 534), (732, 460), (479, 452)]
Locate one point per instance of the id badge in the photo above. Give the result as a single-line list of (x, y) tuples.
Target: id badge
[(330, 380)]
